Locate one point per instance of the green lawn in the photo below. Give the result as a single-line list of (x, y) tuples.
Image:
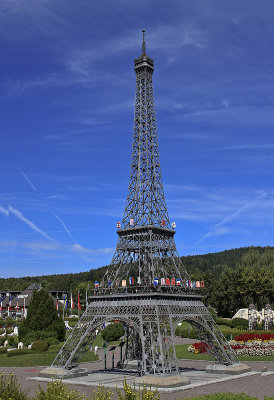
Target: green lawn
[(182, 352), (38, 359)]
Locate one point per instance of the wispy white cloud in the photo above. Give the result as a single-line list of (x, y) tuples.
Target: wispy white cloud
[(218, 229), (26, 178), (18, 214), (64, 226), (38, 246), (4, 211), (80, 249)]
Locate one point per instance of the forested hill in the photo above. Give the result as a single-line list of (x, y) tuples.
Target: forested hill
[(196, 266), (216, 262)]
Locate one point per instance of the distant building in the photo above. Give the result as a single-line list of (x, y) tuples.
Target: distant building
[(15, 303)]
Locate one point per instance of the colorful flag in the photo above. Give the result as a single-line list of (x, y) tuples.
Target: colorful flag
[(163, 281), (10, 303), (17, 304), (178, 282), (124, 282), (198, 284), (173, 225), (156, 281), (71, 301), (117, 282), (118, 225), (96, 284), (193, 284), (163, 222), (65, 301), (202, 284), (167, 281), (172, 281), (189, 283), (139, 280), (1, 304), (131, 280), (79, 304), (131, 222), (109, 283)]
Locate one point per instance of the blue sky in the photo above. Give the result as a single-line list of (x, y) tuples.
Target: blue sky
[(67, 103)]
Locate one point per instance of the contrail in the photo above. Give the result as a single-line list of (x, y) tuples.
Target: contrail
[(231, 217), (27, 179), (22, 218), (4, 211), (64, 226)]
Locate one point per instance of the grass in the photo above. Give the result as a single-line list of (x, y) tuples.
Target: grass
[(182, 352), (38, 359)]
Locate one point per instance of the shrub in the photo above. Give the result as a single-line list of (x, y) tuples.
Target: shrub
[(186, 333), (57, 390), (239, 323), (2, 340), (3, 350), (224, 321), (51, 341), (113, 332), (12, 341), (10, 389), (132, 393), (2, 330), (39, 345), (18, 352)]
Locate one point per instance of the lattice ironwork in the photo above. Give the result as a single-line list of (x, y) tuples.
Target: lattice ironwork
[(146, 249)]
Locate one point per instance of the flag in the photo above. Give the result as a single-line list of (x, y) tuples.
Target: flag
[(57, 305), (163, 281), (10, 303), (17, 305), (124, 282), (79, 304), (71, 301), (117, 282), (109, 283), (178, 282), (172, 281), (202, 284), (118, 225), (1, 304), (198, 284), (86, 298), (193, 284), (167, 281), (173, 225), (65, 302), (156, 281), (139, 280), (163, 222), (131, 222), (189, 283), (96, 284), (131, 280)]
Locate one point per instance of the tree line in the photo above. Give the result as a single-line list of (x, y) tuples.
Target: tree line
[(233, 278)]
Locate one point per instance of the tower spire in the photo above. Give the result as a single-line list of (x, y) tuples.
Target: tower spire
[(144, 43)]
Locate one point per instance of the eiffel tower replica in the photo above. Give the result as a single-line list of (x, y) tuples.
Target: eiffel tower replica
[(146, 286)]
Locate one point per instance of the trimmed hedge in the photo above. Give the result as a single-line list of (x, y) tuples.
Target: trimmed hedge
[(39, 346), (229, 333), (3, 350), (18, 352)]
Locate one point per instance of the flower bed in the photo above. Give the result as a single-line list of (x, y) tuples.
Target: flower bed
[(197, 348), (249, 344)]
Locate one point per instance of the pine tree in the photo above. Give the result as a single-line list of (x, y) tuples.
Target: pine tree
[(42, 319)]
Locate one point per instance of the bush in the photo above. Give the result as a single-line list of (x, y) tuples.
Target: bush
[(3, 350), (239, 323), (51, 341), (12, 341), (10, 389), (57, 390), (113, 332), (39, 346), (18, 352), (186, 333), (2, 330), (2, 340), (224, 321)]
